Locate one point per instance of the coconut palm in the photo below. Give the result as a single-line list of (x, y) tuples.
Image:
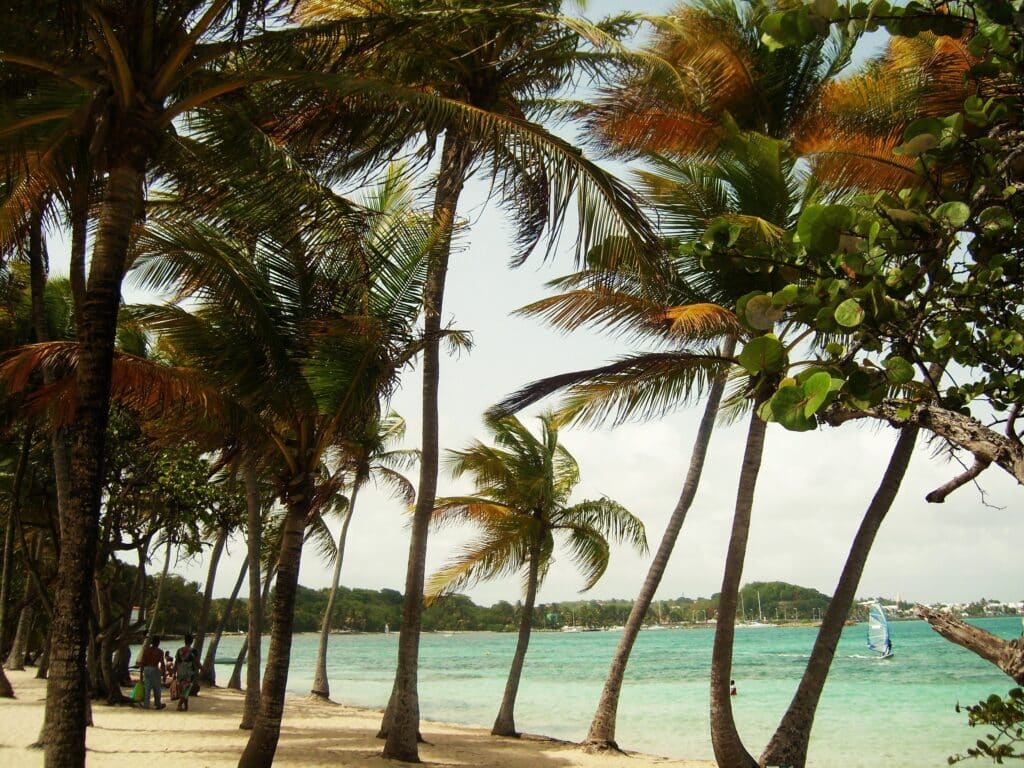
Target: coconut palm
[(753, 180), (500, 64), (119, 73), (523, 486), (296, 333), (788, 745), (370, 457)]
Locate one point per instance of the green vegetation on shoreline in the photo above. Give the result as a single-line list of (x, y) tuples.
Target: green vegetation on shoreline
[(367, 610)]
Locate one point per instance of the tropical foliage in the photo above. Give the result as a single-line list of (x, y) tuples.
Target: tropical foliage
[(801, 245)]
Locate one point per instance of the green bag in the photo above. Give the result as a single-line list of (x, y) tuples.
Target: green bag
[(138, 691)]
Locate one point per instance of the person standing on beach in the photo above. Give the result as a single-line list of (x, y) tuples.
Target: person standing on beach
[(151, 660), (186, 672)]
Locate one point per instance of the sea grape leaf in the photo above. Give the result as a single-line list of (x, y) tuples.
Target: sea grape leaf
[(763, 354), (849, 314)]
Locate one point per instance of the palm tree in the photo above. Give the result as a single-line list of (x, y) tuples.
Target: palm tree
[(370, 457), (477, 62), (306, 334), (119, 73), (751, 179), (498, 66), (523, 485), (788, 745)]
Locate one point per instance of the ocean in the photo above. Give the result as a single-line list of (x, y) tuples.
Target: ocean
[(897, 711)]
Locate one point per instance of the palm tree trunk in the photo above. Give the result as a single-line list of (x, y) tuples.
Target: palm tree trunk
[(16, 657), (67, 684), (254, 637), (259, 751), (602, 728), (235, 681), (159, 592), (211, 577), (209, 672), (6, 690), (252, 677), (79, 234), (505, 723), (402, 716), (43, 665), (13, 513), (321, 684), (108, 635), (725, 739), (788, 745)]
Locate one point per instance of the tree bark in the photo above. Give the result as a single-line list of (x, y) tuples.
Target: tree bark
[(254, 638), (79, 235), (987, 445), (211, 577), (505, 723), (788, 746), (43, 665), (321, 683), (38, 271), (602, 728), (67, 687), (725, 739), (235, 681), (108, 638), (16, 657), (209, 671), (13, 515), (259, 751), (252, 681), (1008, 655), (159, 593), (402, 717)]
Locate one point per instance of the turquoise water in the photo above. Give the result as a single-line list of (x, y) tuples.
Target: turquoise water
[(873, 712)]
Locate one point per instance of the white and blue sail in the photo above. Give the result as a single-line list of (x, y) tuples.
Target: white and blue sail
[(879, 640)]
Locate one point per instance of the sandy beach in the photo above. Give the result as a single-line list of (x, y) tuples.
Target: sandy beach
[(312, 734)]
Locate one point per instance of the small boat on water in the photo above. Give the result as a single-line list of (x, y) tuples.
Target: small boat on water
[(879, 639)]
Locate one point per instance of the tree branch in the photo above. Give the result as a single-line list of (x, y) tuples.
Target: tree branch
[(987, 445), (1008, 655), (939, 494)]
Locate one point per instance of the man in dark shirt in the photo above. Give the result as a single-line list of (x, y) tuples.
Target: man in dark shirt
[(152, 662)]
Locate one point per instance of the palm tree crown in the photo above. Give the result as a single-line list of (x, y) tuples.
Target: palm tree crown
[(523, 486)]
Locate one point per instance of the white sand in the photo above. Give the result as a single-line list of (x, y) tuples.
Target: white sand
[(313, 734)]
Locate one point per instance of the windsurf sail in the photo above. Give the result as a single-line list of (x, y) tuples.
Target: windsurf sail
[(878, 631)]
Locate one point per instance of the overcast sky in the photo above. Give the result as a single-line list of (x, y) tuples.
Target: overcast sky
[(812, 492)]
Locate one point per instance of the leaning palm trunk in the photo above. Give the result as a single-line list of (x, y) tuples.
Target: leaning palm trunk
[(729, 749), (402, 716), (68, 680), (505, 723), (13, 518), (788, 745), (26, 618), (253, 640), (209, 671), (252, 678), (211, 577), (6, 690), (321, 684), (235, 681), (602, 728), (259, 751), (159, 593), (38, 277)]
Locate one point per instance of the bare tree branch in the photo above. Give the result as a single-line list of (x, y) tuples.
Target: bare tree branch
[(1008, 655), (938, 496), (987, 445)]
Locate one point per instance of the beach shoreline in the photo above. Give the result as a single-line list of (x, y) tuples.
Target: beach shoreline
[(312, 734)]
